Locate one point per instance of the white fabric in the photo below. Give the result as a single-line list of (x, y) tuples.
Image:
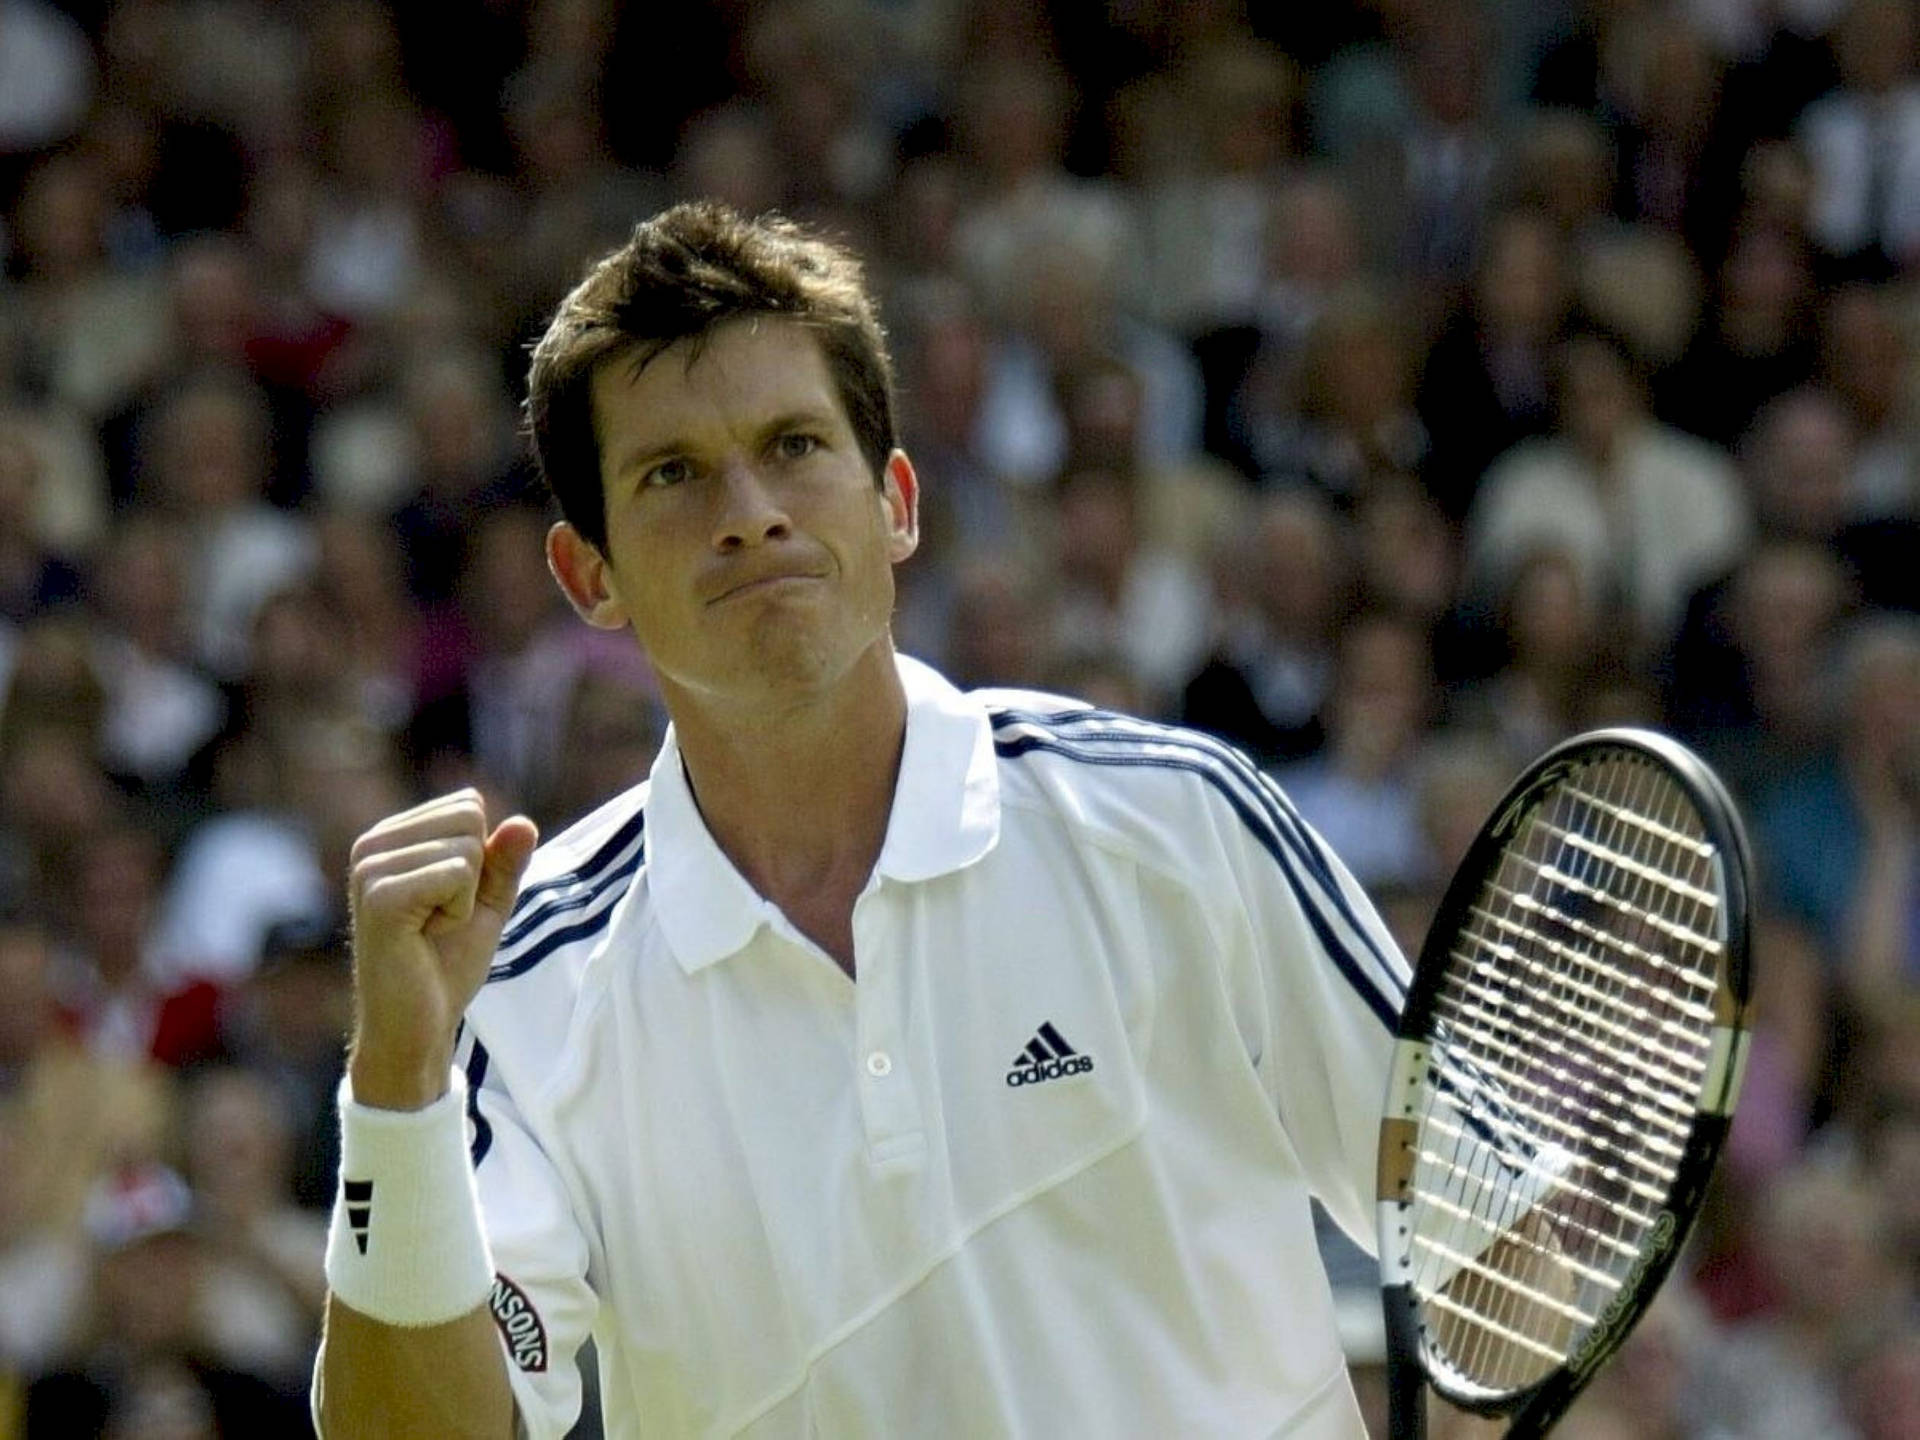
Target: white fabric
[(1667, 516), (786, 1203), (238, 875), (409, 1250)]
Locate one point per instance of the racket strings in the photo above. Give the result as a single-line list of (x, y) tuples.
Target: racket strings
[(1577, 1015)]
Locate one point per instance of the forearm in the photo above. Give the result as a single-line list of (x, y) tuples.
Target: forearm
[(410, 1347), (393, 1382)]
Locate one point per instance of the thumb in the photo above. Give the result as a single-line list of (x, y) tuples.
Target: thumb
[(508, 849)]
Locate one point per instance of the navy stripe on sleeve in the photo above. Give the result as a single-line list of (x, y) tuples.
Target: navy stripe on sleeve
[(599, 891), (1107, 727), (538, 902), (482, 1127), (1095, 740), (566, 934)]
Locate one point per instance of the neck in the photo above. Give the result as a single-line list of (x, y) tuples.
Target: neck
[(798, 794)]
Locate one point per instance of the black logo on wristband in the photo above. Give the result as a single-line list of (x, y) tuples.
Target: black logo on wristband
[(359, 1197), (519, 1324)]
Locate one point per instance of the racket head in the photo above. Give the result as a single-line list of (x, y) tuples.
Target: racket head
[(1571, 1048)]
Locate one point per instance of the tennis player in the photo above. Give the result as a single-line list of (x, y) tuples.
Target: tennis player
[(896, 1061)]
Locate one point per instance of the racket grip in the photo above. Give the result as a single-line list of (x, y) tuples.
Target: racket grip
[(1406, 1381)]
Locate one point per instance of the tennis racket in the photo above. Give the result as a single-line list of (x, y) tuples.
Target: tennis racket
[(1565, 1072)]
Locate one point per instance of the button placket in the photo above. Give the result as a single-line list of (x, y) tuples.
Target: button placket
[(889, 1108)]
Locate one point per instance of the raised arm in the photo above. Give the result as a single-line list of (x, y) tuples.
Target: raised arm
[(409, 1347)]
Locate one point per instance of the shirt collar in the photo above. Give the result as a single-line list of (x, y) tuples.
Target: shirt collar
[(945, 816)]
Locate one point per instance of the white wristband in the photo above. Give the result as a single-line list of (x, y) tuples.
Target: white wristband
[(406, 1246)]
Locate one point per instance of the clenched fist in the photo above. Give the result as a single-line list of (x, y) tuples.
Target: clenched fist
[(430, 890)]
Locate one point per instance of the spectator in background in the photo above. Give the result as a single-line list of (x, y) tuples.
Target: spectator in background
[(1408, 559), (1787, 1089), (67, 1117), (289, 805), (161, 708), (91, 333), (824, 77), (1866, 361), (1487, 383), (212, 329), (359, 582), (1561, 163), (264, 1255), (1069, 313), (1000, 629), (500, 708), (1665, 125), (1836, 837), (286, 1024), (1863, 142), (1282, 590), (1120, 594), (609, 735), (46, 79), (730, 153), (970, 508), (377, 149), (1743, 673), (1253, 368), (1449, 147), (460, 434), (153, 1329), (53, 791), (1353, 420), (33, 579), (1207, 142), (1558, 656), (207, 466), (1184, 505), (1011, 116), (1758, 340), (117, 992), (1360, 791), (55, 460), (1646, 512), (1822, 1237)]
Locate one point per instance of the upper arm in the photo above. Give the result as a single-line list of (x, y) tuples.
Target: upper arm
[(1330, 982), (542, 1306)]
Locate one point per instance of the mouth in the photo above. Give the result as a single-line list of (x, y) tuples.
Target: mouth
[(764, 585)]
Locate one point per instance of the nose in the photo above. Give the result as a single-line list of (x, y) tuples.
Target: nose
[(750, 512)]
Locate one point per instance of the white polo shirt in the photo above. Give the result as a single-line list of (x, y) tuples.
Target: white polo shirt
[(1043, 1170)]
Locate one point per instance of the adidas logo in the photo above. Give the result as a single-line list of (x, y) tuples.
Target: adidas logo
[(359, 1195), (1047, 1057)]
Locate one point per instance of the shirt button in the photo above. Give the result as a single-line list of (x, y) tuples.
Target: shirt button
[(879, 1064)]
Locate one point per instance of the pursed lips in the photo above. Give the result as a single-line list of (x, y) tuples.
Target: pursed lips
[(755, 583)]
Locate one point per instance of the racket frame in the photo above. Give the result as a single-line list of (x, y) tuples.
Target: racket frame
[(1412, 1364)]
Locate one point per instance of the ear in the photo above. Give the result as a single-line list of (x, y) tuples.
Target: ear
[(585, 578), (900, 491)]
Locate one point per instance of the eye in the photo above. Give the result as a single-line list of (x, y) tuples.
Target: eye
[(795, 445), (667, 472)]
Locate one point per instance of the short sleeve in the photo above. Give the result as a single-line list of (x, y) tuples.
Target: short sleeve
[(541, 1302), (1331, 982)]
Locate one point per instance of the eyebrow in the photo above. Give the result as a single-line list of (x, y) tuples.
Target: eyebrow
[(799, 418)]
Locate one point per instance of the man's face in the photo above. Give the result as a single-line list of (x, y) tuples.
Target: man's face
[(747, 544)]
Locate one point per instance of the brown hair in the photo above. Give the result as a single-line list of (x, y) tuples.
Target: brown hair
[(681, 275)]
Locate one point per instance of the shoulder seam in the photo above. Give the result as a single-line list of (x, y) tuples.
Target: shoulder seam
[(1102, 738), (605, 873)]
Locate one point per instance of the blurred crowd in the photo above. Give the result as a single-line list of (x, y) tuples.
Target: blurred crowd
[(1390, 386)]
